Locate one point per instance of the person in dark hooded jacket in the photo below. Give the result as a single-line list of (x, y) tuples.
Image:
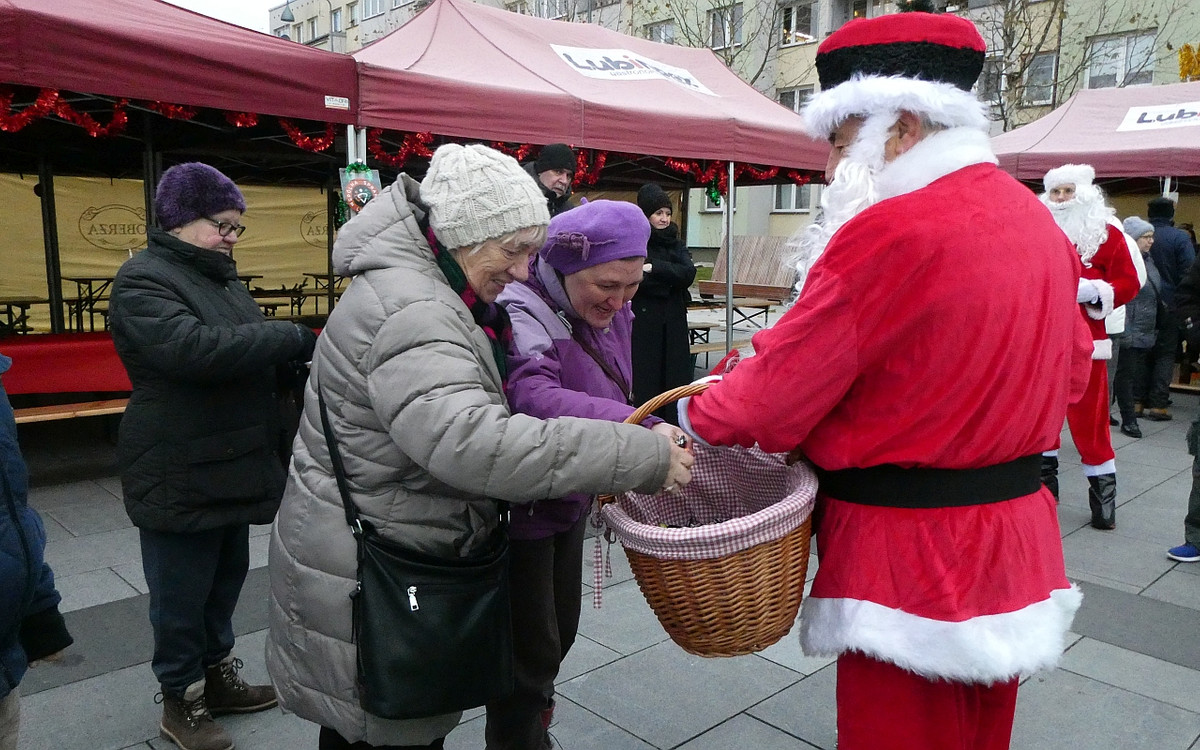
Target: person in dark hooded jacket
[(661, 356), (200, 442), (554, 171), (31, 627)]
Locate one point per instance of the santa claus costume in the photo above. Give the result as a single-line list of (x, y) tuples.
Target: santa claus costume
[(926, 364), (1109, 279)]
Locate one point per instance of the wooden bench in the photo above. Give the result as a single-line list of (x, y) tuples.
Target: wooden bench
[(698, 331), (760, 270), (709, 347), (70, 411)]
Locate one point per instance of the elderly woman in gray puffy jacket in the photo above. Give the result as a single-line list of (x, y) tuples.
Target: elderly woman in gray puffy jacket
[(411, 365)]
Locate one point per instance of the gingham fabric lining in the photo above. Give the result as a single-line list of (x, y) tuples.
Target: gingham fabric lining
[(738, 498)]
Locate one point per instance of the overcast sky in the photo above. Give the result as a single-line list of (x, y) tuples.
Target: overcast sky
[(253, 14)]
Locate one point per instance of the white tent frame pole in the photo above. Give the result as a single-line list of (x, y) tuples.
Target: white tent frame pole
[(351, 145), (362, 145), (1167, 186), (729, 262)]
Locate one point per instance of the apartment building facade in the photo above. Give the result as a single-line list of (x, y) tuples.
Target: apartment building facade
[(1040, 52)]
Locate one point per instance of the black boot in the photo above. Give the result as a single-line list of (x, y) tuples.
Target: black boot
[(1102, 497), (1050, 474)]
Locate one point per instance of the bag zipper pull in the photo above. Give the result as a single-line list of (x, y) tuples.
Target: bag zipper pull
[(412, 599)]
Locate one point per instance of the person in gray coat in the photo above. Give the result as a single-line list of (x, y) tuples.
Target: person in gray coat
[(411, 366), (200, 443), (1142, 322)]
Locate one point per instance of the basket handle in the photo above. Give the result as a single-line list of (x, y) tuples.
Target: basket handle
[(652, 406), (662, 399)]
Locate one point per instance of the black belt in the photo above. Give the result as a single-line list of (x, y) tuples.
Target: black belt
[(897, 487)]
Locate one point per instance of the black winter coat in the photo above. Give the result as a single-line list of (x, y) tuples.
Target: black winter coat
[(661, 356), (199, 444), (1173, 254)]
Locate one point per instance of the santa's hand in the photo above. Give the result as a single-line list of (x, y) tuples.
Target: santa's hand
[(1088, 294)]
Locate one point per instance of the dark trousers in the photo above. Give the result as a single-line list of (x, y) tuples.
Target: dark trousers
[(546, 576), (1162, 367), (194, 581), (331, 740), (1132, 381), (1191, 522)]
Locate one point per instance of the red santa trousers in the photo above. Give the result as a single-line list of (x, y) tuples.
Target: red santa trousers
[(1087, 419), (883, 707)]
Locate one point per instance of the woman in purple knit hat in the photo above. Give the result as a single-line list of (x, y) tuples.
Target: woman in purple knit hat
[(570, 357)]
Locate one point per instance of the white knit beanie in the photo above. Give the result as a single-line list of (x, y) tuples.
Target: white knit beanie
[(475, 193)]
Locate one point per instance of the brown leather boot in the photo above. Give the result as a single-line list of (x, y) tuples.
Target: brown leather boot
[(187, 722), (227, 693)]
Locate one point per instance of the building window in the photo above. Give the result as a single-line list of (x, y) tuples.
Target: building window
[(352, 13), (1124, 60), (797, 24), (710, 205), (792, 198), (1039, 78), (312, 28), (846, 10), (280, 31), (335, 21), (550, 8), (991, 80), (298, 33), (663, 31), (725, 26), (518, 7), (371, 8), (795, 98)]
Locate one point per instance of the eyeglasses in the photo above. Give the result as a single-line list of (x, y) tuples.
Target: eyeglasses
[(225, 227)]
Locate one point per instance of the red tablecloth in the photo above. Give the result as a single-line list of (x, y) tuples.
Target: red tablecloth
[(63, 363)]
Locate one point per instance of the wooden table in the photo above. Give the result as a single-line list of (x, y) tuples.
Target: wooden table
[(322, 280), (14, 313), (90, 290)]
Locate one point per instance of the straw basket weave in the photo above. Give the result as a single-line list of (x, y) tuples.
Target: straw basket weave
[(721, 562)]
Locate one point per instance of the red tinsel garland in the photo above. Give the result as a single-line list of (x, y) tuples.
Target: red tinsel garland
[(115, 126), (717, 173), (589, 175), (45, 103), (172, 111), (241, 119), (308, 143), (413, 144), (520, 151)]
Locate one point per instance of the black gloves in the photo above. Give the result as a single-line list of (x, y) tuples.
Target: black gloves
[(308, 342)]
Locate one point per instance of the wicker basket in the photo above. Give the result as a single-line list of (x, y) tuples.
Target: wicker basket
[(730, 582)]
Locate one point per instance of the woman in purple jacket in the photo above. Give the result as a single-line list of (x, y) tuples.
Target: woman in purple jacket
[(570, 357)]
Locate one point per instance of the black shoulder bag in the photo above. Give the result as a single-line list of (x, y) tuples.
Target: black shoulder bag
[(433, 635)]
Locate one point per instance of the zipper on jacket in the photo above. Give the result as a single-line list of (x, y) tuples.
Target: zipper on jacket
[(412, 599)]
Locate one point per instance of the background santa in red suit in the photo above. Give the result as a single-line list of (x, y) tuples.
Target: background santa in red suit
[(1109, 280), (924, 367)]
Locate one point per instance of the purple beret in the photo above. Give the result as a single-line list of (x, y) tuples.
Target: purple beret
[(193, 191), (594, 233)]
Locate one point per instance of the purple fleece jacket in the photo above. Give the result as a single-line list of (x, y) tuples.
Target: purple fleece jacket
[(551, 375)]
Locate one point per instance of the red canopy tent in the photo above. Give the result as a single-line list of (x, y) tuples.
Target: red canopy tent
[(1140, 131), (147, 49), (470, 71)]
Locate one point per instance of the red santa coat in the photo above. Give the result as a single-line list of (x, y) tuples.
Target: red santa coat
[(931, 333), (1116, 277)]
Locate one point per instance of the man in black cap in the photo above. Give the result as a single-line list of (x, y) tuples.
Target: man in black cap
[(1173, 255), (554, 169)]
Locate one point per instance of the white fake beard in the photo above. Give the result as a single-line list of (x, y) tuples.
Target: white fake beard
[(1084, 221), (852, 191)]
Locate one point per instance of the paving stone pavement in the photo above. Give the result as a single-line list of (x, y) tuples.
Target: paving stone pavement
[(1129, 680)]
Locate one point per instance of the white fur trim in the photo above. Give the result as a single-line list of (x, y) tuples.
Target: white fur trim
[(1102, 309), (1102, 348), (985, 649), (934, 157), (685, 424), (943, 103), (1108, 467), (1069, 174)]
